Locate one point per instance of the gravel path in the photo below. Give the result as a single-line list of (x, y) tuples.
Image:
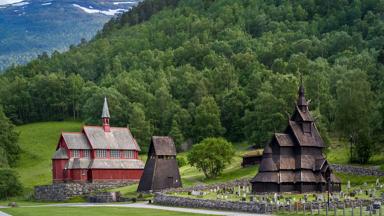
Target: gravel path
[(4, 214), (145, 206)]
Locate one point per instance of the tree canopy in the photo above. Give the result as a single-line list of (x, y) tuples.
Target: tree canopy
[(197, 68)]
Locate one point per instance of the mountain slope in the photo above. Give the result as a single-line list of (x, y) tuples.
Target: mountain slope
[(198, 68), (31, 27)]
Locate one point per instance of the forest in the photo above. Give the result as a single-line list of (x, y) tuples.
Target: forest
[(193, 69)]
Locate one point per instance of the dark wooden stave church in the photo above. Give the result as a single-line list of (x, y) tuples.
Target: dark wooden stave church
[(161, 170), (293, 161)]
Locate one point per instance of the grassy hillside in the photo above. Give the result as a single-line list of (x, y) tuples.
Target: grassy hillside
[(38, 142)]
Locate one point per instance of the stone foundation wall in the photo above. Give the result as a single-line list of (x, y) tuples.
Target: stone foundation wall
[(168, 200), (229, 184), (65, 191), (356, 170)]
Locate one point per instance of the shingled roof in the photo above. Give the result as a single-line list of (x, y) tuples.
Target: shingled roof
[(116, 164), (78, 163), (60, 153), (306, 139), (75, 140), (284, 139), (164, 146), (105, 113), (118, 138)]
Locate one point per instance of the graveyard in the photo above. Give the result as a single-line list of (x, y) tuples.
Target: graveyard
[(368, 196)]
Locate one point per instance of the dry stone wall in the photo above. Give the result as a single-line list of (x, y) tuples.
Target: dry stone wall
[(65, 191), (356, 170), (168, 200)]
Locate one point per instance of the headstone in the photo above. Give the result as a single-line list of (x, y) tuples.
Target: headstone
[(196, 193), (320, 198)]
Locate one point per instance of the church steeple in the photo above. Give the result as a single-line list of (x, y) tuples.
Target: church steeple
[(105, 116), (301, 101)]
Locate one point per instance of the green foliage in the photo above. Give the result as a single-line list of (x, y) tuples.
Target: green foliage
[(9, 184), (211, 156), (207, 119), (9, 147), (216, 68), (355, 113), (140, 127), (181, 161)]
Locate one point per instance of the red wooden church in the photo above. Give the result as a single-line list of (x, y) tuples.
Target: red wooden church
[(97, 153)]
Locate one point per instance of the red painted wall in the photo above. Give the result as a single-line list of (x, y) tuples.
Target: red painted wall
[(58, 170), (103, 174), (79, 175)]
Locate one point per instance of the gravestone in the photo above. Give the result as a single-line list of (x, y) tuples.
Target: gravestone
[(320, 198), (197, 193)]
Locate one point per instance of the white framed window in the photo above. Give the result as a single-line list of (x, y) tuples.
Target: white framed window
[(86, 153), (115, 154), (129, 154), (75, 153), (101, 153)]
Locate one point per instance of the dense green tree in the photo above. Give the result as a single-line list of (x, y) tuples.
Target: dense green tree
[(265, 118), (175, 59), (176, 134), (207, 119), (232, 110), (9, 184), (354, 113), (9, 147), (141, 128), (211, 156)]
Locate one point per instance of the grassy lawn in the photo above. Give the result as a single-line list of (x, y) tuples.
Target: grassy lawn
[(339, 153), (94, 211), (38, 142)]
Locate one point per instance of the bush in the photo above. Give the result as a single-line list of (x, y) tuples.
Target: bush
[(9, 184), (211, 156), (181, 161)]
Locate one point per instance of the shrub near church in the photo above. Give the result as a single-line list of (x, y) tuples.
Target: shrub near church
[(211, 156)]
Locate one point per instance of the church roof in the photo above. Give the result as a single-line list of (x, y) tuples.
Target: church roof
[(76, 140), (78, 163), (105, 113), (118, 138), (116, 164), (284, 139), (306, 139), (60, 153), (163, 145)]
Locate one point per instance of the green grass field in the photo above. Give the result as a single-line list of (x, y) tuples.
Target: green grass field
[(94, 211), (38, 142)]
